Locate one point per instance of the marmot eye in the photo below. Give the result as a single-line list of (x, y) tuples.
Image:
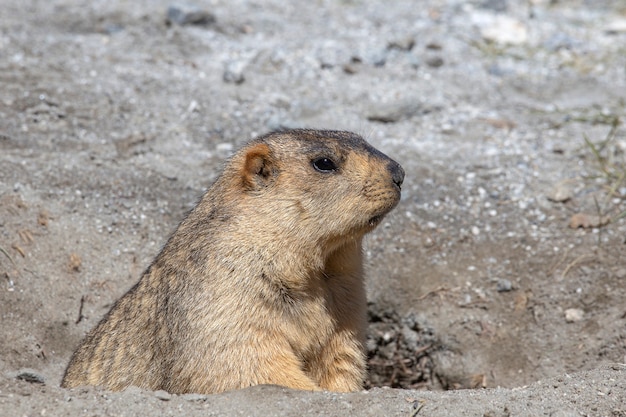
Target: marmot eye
[(324, 165)]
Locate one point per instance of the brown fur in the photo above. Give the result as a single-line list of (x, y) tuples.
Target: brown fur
[(262, 282)]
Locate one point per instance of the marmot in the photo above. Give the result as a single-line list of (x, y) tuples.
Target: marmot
[(261, 283)]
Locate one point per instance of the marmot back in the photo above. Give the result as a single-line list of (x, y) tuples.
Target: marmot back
[(261, 283)]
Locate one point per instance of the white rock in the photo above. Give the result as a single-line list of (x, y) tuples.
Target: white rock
[(573, 315), (616, 27), (561, 192), (163, 395), (233, 72), (501, 29)]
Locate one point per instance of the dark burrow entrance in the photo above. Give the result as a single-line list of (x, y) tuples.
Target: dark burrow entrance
[(399, 350)]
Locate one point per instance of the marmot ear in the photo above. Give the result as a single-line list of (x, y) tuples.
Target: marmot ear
[(258, 168)]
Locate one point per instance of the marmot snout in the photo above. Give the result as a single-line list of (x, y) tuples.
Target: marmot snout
[(261, 283)]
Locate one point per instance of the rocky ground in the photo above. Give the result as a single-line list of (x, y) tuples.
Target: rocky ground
[(501, 271)]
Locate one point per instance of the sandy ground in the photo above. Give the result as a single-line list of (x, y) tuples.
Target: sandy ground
[(502, 270)]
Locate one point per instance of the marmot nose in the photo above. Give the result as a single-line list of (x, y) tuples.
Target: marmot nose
[(397, 173)]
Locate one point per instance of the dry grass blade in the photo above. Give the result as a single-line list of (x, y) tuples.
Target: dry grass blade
[(7, 255), (596, 154)]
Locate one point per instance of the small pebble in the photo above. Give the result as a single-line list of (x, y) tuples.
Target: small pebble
[(163, 395), (573, 315), (434, 62), (495, 5), (233, 72), (501, 29), (393, 112), (224, 147), (194, 397), (405, 44), (30, 375), (561, 193), (434, 46), (188, 14), (504, 285), (616, 27)]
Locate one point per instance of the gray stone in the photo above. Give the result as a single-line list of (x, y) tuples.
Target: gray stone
[(561, 192), (405, 44), (30, 375), (434, 61), (163, 395), (233, 72), (393, 112), (504, 285), (188, 14)]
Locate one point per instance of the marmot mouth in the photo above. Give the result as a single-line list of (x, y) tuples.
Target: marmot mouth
[(373, 222), (376, 219)]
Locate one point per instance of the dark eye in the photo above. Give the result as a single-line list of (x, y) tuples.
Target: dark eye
[(324, 165)]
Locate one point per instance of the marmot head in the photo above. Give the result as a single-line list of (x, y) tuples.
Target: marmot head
[(324, 186)]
